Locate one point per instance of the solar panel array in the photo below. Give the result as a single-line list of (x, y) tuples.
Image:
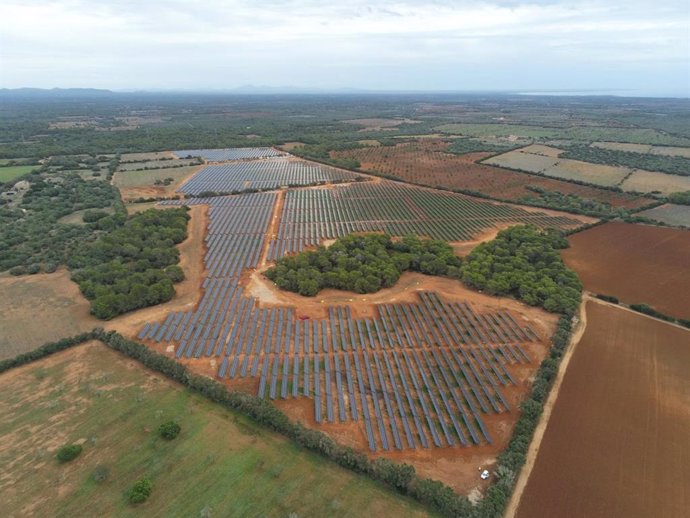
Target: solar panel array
[(310, 216), (235, 177), (236, 153), (420, 374)]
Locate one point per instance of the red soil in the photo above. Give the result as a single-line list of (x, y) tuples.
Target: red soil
[(636, 263), (617, 442)]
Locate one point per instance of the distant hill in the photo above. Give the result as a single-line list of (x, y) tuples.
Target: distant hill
[(56, 93)]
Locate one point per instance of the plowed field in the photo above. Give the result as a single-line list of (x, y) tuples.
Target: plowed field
[(636, 263), (617, 442)]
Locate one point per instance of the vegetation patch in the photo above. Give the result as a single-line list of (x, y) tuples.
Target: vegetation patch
[(524, 262), (363, 263), (169, 430), (140, 491), (133, 266), (68, 453), (31, 233)]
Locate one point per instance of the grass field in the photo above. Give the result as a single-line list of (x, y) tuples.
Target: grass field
[(35, 309), (676, 215), (648, 181), (617, 443), (636, 263), (9, 173), (141, 184), (221, 462)]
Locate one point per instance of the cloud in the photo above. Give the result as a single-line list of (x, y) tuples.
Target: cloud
[(384, 44)]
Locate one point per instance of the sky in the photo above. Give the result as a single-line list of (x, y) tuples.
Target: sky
[(634, 47)]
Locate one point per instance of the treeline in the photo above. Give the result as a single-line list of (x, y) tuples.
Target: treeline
[(363, 264), (646, 309), (32, 239), (133, 266), (666, 164), (523, 262)]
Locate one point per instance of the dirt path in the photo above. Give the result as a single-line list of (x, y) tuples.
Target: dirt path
[(273, 226), (526, 470)]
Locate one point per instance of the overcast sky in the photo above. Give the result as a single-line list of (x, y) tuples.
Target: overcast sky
[(641, 47)]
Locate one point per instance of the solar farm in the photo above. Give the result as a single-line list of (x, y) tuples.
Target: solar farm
[(257, 175), (311, 216), (421, 375), (224, 155), (416, 375)]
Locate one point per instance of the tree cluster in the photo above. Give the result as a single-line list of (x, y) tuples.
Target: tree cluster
[(31, 236), (523, 262), (363, 264), (133, 266)]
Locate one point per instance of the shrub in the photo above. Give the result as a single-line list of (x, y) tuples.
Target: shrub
[(33, 268), (140, 491), (18, 270), (608, 298), (100, 474), (68, 452), (169, 430)]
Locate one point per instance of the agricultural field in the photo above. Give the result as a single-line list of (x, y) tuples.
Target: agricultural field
[(54, 297), (644, 148), (617, 441), (544, 160), (152, 183), (429, 163), (221, 463), (580, 133), (670, 214), (9, 173), (647, 181), (636, 263)]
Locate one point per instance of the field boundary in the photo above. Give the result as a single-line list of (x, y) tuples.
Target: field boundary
[(535, 444)]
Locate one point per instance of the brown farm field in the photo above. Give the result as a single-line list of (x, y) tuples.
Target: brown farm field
[(427, 163), (636, 263), (617, 442)]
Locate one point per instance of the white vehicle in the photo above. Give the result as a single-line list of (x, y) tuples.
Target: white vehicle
[(485, 474)]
